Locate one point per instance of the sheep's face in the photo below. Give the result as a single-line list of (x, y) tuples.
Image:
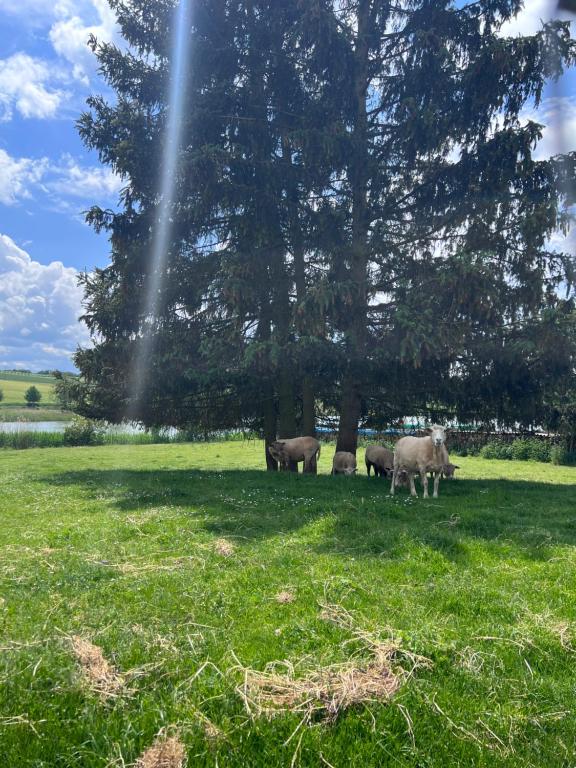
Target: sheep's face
[(437, 435), (277, 451)]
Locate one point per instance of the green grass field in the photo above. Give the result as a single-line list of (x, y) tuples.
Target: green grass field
[(14, 385), (118, 544)]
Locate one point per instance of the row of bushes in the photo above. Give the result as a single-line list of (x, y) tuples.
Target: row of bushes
[(521, 449)]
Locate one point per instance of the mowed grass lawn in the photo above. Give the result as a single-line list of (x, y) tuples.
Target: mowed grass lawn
[(14, 386), (120, 545)]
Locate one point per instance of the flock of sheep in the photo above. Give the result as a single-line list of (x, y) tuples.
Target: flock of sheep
[(412, 455)]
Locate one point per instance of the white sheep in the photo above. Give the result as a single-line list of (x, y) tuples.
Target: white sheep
[(420, 455)]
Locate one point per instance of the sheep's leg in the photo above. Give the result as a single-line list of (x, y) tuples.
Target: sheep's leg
[(311, 466), (424, 479), (393, 482), (368, 468), (412, 486), (436, 484)]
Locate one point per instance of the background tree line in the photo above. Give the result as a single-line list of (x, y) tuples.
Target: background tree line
[(359, 225)]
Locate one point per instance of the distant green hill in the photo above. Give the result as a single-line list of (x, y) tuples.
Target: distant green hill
[(14, 384)]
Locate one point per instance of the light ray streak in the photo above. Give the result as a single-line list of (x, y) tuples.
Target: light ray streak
[(161, 235)]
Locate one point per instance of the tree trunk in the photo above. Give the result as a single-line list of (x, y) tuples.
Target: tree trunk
[(286, 404), (308, 424), (308, 408), (269, 414), (350, 412), (351, 400), (268, 405), (269, 236)]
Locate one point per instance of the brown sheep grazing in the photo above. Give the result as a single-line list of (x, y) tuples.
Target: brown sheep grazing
[(288, 452), (344, 463), (381, 459), (448, 468)]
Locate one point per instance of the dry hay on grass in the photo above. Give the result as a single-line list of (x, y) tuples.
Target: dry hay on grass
[(100, 676), (136, 566), (212, 733), (224, 547), (372, 641), (327, 691), (324, 692), (563, 631), (166, 752), (285, 596)]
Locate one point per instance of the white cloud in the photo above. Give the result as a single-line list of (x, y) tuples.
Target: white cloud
[(24, 178), (18, 176), (70, 33), (530, 19), (68, 25), (558, 116), (86, 183), (565, 243), (28, 85), (39, 310)]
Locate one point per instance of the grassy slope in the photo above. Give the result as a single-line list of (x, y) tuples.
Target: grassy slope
[(14, 385), (493, 557)]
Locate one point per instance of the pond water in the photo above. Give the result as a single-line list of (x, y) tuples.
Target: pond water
[(60, 426), (33, 426)]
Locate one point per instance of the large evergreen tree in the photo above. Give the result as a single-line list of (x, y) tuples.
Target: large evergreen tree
[(442, 212), (358, 218)]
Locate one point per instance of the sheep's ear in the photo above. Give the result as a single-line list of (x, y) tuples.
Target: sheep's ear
[(456, 466)]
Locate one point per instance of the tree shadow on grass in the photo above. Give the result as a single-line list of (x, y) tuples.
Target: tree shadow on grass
[(357, 515)]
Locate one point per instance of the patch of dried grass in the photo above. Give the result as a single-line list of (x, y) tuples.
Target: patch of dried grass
[(471, 660), (130, 568), (224, 547), (166, 752), (564, 631), (213, 733), (372, 641), (327, 691), (284, 596), (100, 676)]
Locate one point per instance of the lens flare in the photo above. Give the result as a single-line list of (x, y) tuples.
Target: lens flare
[(161, 234)]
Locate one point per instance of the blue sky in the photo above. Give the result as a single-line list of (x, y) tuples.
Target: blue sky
[(48, 178)]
